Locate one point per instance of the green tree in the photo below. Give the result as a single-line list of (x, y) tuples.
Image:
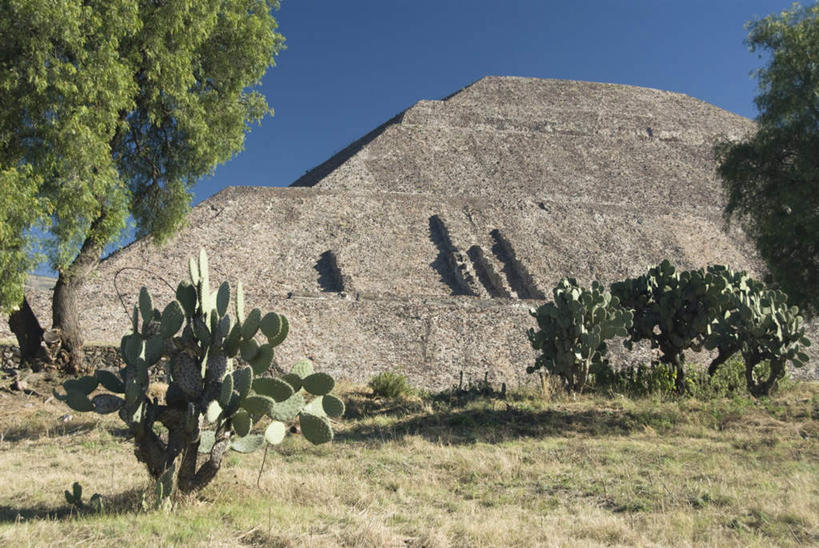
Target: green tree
[(19, 210), (111, 108), (772, 177)]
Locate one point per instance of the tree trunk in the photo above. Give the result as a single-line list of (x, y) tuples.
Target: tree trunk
[(23, 323), (763, 387), (678, 362), (65, 315), (722, 356), (179, 453), (66, 319)]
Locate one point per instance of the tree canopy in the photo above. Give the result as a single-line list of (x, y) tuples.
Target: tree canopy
[(19, 209), (111, 108), (772, 177)]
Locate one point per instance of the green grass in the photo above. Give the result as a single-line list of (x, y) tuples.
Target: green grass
[(446, 470)]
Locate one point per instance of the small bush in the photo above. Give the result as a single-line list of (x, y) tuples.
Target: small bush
[(637, 381), (728, 381), (660, 379), (390, 385)]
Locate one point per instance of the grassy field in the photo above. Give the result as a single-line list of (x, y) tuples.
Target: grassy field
[(443, 471)]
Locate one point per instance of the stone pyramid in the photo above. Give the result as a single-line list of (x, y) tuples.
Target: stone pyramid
[(421, 247)]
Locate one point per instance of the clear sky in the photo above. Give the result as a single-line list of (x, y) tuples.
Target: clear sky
[(350, 66)]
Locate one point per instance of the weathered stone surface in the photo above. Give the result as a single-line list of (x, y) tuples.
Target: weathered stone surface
[(97, 356), (414, 246)]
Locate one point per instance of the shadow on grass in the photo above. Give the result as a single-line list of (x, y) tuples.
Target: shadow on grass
[(492, 425), (36, 432), (127, 502)]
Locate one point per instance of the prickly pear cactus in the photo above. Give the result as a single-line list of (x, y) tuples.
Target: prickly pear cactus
[(213, 403), (74, 498), (760, 325), (573, 331), (673, 310)]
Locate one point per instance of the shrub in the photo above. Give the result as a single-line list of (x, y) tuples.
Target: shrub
[(390, 385), (759, 324), (212, 402), (639, 380), (573, 331), (673, 310), (660, 379)]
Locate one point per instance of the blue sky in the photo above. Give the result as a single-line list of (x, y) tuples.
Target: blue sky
[(350, 66)]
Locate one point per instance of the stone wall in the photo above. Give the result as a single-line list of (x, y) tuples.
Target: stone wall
[(97, 356)]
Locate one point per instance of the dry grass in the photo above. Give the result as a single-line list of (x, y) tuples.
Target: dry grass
[(445, 472)]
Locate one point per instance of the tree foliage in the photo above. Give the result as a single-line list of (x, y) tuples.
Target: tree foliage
[(111, 108), (19, 209), (772, 177)]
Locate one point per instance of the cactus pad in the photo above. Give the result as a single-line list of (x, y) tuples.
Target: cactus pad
[(251, 324), (232, 341), (233, 404), (332, 405), (186, 374), (258, 406), (275, 388), (287, 409), (206, 440), (186, 295), (172, 318), (226, 390), (275, 432), (242, 380), (302, 368), (270, 325), (249, 349), (285, 329), (146, 307), (201, 330), (134, 392), (107, 403), (318, 384), (204, 279), (240, 302), (223, 298), (154, 349), (131, 348), (248, 444), (221, 330), (78, 401), (84, 385), (241, 422), (193, 270), (316, 429), (74, 497), (261, 362), (293, 380), (213, 412)]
